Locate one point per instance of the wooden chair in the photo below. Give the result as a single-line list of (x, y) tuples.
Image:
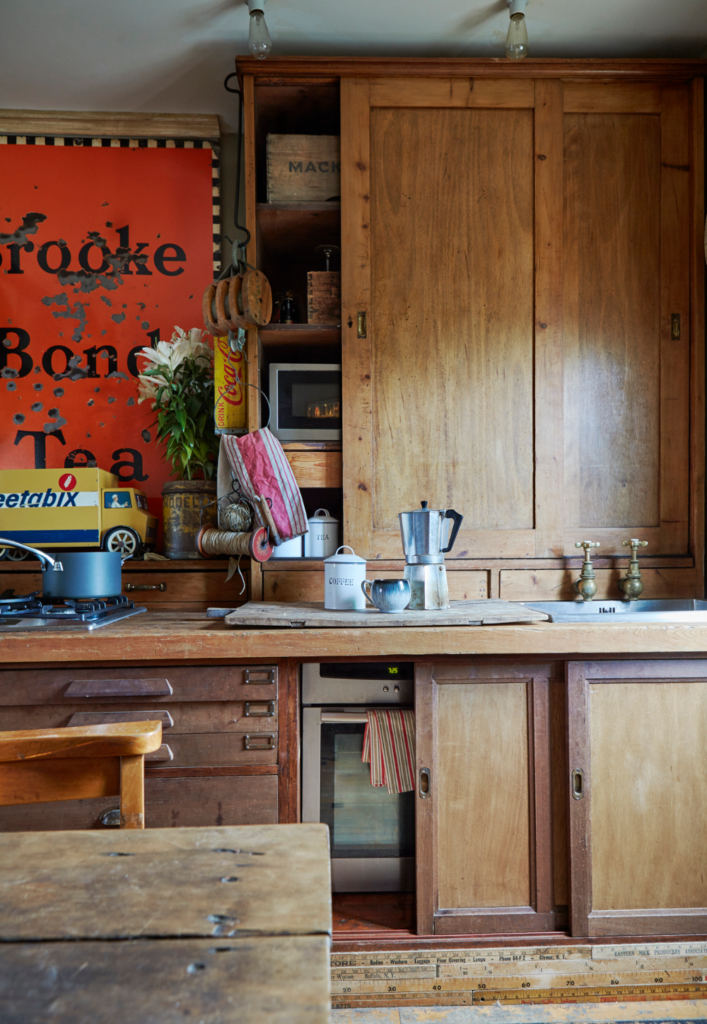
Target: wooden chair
[(44, 765)]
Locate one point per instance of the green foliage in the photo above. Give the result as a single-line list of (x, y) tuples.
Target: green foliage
[(184, 403)]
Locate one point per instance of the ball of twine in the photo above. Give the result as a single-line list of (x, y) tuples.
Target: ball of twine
[(237, 517)]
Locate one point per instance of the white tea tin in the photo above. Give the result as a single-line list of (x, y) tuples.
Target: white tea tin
[(343, 576), (322, 537)]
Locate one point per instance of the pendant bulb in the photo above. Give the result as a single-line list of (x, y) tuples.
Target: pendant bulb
[(517, 38), (259, 41)]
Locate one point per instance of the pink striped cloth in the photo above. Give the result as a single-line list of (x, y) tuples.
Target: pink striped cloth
[(262, 470), (389, 746)]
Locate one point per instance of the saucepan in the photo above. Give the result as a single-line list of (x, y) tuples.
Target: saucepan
[(77, 575)]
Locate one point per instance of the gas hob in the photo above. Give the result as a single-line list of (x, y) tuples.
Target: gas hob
[(32, 612)]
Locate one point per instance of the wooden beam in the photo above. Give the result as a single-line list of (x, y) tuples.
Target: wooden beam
[(109, 123)]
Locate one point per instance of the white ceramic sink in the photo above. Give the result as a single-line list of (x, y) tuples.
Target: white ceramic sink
[(606, 612)]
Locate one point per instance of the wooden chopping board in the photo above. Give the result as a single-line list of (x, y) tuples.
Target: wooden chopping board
[(311, 615)]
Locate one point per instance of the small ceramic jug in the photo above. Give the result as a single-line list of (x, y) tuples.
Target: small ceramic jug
[(387, 595)]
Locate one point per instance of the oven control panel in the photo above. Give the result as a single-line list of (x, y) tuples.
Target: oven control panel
[(370, 682)]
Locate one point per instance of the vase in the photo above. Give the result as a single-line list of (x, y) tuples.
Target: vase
[(187, 506)]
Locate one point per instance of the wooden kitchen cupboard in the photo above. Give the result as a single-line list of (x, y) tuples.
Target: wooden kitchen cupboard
[(522, 308), (637, 794), (488, 760), (523, 329)]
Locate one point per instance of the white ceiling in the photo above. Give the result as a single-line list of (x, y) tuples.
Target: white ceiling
[(172, 55)]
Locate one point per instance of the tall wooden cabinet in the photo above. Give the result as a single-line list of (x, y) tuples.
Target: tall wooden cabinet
[(522, 306), (521, 250)]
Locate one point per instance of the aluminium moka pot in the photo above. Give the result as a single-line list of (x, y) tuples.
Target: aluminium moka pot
[(427, 535)]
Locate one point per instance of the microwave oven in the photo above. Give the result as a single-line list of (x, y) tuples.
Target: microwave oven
[(305, 401)]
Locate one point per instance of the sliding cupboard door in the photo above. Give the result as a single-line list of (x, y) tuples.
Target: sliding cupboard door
[(439, 247), (483, 804)]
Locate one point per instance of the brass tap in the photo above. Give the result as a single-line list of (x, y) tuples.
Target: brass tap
[(631, 583), (586, 585)]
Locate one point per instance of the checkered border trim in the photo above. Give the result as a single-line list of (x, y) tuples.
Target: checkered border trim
[(121, 143)]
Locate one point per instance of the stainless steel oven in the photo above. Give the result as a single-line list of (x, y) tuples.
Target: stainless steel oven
[(372, 832)]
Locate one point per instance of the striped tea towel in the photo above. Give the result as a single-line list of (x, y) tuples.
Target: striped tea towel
[(389, 746), (263, 471)]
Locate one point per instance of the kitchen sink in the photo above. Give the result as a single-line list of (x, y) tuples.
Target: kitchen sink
[(669, 610)]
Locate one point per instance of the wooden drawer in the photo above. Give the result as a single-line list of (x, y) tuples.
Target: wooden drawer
[(308, 585), (226, 800), (159, 590), (557, 584), (177, 719), (155, 684), (215, 750)]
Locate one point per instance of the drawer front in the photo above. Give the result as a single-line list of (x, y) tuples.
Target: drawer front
[(153, 684), (201, 589), (177, 719), (215, 750), (169, 803), (159, 590)]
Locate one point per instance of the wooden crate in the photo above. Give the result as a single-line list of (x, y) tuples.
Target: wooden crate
[(303, 168), (323, 297)]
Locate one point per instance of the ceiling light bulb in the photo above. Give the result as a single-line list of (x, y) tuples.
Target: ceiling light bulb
[(517, 38), (259, 41)]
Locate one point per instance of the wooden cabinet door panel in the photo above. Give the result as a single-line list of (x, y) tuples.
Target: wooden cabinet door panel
[(626, 277), (638, 814), (438, 249), (483, 815)]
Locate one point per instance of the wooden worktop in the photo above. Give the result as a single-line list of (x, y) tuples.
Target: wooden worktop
[(172, 636)]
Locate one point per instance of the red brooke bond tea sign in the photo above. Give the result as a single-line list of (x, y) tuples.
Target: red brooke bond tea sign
[(75, 309)]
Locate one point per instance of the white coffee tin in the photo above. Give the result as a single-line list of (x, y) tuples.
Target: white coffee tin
[(322, 537), (343, 576)]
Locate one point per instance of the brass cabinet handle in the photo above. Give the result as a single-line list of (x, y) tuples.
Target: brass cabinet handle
[(110, 818), (259, 676), (267, 706), (577, 783), (425, 787), (259, 741), (145, 586)]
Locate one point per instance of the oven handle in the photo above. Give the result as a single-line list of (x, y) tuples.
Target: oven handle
[(344, 717)]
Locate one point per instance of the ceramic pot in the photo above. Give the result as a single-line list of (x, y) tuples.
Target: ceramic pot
[(387, 595), (187, 506)]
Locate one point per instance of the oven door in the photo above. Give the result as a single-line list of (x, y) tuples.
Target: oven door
[(371, 831)]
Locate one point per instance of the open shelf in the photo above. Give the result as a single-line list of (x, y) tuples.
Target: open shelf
[(299, 334), (290, 230)]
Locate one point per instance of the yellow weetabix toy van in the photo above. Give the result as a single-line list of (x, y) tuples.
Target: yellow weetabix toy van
[(73, 508)]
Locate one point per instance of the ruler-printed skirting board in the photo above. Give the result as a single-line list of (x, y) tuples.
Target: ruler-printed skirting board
[(514, 975), (73, 315)]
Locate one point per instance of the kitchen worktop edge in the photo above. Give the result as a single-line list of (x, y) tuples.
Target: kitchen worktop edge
[(170, 636)]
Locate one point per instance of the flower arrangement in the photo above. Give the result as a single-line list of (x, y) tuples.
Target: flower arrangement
[(179, 382)]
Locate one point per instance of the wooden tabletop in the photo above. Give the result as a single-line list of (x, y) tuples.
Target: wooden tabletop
[(176, 636), (218, 925), (165, 883)]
